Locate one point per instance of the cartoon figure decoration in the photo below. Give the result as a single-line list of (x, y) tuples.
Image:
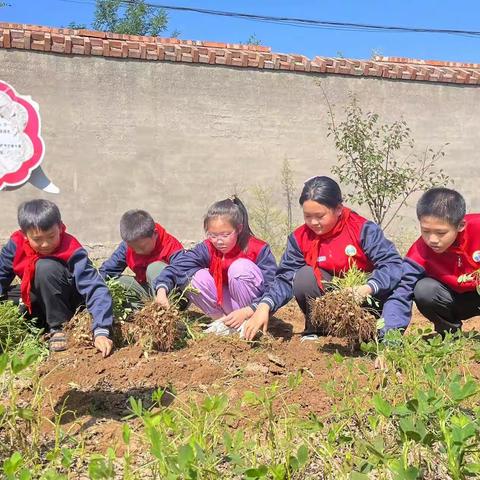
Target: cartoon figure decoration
[(21, 146)]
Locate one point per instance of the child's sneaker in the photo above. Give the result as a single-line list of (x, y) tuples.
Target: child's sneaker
[(310, 337)]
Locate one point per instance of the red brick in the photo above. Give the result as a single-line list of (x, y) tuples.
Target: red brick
[(215, 44), (78, 50), (6, 39), (91, 33), (88, 46), (76, 40)]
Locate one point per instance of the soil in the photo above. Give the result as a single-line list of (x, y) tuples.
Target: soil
[(93, 392)]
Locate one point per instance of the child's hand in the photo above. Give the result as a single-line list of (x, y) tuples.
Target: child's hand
[(362, 292), (258, 321), (162, 298), (104, 344), (236, 318)]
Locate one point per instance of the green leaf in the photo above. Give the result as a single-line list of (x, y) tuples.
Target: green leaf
[(358, 476), (472, 469), (17, 364), (459, 392), (382, 406), (25, 475), (67, 457), (302, 455), (12, 464), (126, 433), (25, 413), (3, 362), (249, 398), (259, 472), (185, 455), (380, 323)]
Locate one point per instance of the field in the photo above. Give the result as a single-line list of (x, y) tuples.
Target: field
[(219, 407)]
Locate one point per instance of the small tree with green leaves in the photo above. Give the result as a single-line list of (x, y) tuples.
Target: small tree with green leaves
[(134, 18), (377, 160)]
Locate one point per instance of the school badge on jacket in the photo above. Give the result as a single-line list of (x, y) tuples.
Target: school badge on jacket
[(350, 251), (21, 146)]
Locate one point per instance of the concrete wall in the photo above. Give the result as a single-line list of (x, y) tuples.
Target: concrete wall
[(173, 138)]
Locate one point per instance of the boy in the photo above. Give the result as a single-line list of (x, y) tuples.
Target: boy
[(56, 275), (147, 248), (448, 249)]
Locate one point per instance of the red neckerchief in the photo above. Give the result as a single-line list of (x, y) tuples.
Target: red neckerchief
[(219, 263), (26, 266), (311, 257), (165, 246), (447, 267)]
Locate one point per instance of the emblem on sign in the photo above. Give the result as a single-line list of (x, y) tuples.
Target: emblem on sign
[(476, 256)]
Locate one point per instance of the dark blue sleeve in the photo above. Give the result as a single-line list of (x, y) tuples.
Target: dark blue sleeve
[(6, 265), (116, 264), (93, 289), (183, 267), (281, 290), (397, 310), (387, 263), (268, 265)]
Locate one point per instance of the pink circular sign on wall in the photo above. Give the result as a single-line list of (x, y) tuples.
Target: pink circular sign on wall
[(21, 145)]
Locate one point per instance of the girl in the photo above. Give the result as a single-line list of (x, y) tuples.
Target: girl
[(330, 240), (231, 269)]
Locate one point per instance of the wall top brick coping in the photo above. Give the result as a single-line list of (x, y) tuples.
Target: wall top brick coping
[(106, 44)]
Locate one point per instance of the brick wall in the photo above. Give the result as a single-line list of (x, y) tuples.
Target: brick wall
[(173, 136)]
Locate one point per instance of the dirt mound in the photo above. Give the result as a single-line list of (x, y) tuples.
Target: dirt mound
[(339, 314), (153, 328)]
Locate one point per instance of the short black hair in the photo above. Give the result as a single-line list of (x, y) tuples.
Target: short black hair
[(38, 214), (443, 203), (136, 224), (323, 190)]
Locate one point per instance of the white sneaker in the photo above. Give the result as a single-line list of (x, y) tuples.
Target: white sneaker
[(311, 337), (219, 328)]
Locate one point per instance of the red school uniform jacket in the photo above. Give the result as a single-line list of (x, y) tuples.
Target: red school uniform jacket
[(337, 250), (461, 258)]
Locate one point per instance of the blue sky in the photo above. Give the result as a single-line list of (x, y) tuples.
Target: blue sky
[(464, 15)]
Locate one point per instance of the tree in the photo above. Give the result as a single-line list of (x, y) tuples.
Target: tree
[(368, 162), (253, 40), (76, 26), (134, 17)]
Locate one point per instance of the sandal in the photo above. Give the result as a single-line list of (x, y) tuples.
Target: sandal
[(57, 342)]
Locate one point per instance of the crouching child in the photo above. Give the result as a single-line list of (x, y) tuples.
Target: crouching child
[(440, 270), (56, 276), (146, 248)]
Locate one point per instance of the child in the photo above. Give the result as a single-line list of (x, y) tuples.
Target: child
[(230, 270), (332, 238), (448, 248), (56, 275), (146, 249)]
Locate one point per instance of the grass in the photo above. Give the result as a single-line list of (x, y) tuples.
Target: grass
[(417, 418)]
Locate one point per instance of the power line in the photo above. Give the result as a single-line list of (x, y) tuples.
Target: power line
[(305, 22)]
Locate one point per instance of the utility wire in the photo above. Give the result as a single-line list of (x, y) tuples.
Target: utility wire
[(304, 22)]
